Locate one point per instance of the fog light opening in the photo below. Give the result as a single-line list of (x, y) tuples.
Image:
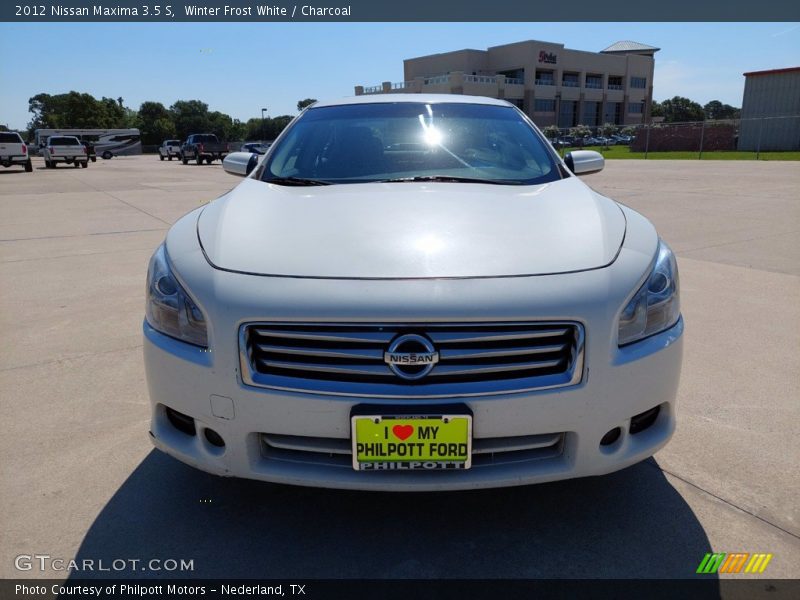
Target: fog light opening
[(644, 420), (611, 437), (214, 438), (181, 422)]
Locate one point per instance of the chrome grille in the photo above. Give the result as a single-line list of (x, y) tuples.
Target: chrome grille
[(336, 452), (473, 359)]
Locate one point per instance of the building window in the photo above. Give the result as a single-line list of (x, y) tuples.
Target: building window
[(639, 83), (568, 115), (594, 82), (615, 82), (591, 114), (570, 80), (544, 78), (613, 113), (542, 105), (635, 108)]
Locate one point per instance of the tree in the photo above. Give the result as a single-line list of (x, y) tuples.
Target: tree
[(579, 132), (551, 132), (607, 129), (155, 123), (680, 109), (74, 109), (220, 124), (189, 116), (715, 110), (301, 104), (656, 109)]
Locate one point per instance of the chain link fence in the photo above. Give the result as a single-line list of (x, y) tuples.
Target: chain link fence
[(757, 135)]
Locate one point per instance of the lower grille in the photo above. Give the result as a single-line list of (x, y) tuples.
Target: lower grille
[(336, 452), (463, 359)]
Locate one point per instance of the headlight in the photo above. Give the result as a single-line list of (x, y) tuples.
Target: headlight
[(656, 306), (169, 308)]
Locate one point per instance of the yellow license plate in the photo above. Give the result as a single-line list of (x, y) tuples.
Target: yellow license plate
[(407, 443)]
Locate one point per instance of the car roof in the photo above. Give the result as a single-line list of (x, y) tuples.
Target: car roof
[(424, 98)]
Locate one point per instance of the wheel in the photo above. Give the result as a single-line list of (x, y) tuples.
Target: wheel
[(199, 160), (29, 166), (209, 160), (107, 154), (84, 164), (76, 164), (184, 160), (161, 156)]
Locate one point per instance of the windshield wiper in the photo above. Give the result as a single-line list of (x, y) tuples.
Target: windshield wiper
[(450, 179), (296, 181)]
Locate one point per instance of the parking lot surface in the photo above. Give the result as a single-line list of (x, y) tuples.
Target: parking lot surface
[(79, 477)]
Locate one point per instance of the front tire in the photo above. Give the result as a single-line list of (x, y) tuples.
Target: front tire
[(184, 160), (161, 156), (107, 155), (84, 164)]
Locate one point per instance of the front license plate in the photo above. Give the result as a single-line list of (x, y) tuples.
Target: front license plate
[(410, 443)]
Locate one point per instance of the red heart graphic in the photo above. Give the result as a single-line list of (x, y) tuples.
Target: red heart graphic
[(403, 432)]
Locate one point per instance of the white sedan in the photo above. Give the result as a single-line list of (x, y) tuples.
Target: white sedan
[(412, 293)]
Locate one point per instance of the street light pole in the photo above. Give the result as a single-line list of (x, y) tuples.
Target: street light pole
[(263, 123)]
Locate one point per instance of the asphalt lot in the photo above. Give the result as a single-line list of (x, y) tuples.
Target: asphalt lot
[(79, 477)]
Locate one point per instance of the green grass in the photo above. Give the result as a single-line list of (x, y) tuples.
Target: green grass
[(625, 152)]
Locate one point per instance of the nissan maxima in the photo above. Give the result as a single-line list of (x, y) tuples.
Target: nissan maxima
[(410, 293)]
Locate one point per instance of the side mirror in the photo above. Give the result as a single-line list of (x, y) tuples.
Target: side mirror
[(585, 162), (240, 164)]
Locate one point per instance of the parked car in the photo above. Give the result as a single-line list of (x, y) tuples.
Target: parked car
[(14, 151), (203, 146), (169, 148), (359, 312), (255, 147), (566, 141), (622, 139), (64, 148)]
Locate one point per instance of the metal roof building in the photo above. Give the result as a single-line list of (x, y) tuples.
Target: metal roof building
[(771, 110)]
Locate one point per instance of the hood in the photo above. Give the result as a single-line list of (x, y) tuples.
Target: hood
[(411, 230)]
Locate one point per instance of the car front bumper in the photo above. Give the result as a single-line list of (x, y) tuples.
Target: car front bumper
[(617, 385)]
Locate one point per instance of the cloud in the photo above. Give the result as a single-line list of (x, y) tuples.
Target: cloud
[(785, 31)]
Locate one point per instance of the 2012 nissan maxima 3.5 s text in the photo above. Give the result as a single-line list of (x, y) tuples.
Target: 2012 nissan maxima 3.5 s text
[(412, 292)]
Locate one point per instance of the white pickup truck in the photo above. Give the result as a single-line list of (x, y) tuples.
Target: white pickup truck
[(170, 148), (13, 151), (66, 149)]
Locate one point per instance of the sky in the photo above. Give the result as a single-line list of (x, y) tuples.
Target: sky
[(240, 68)]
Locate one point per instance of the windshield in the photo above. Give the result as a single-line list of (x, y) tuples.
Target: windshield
[(63, 141), (408, 141), (10, 138)]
